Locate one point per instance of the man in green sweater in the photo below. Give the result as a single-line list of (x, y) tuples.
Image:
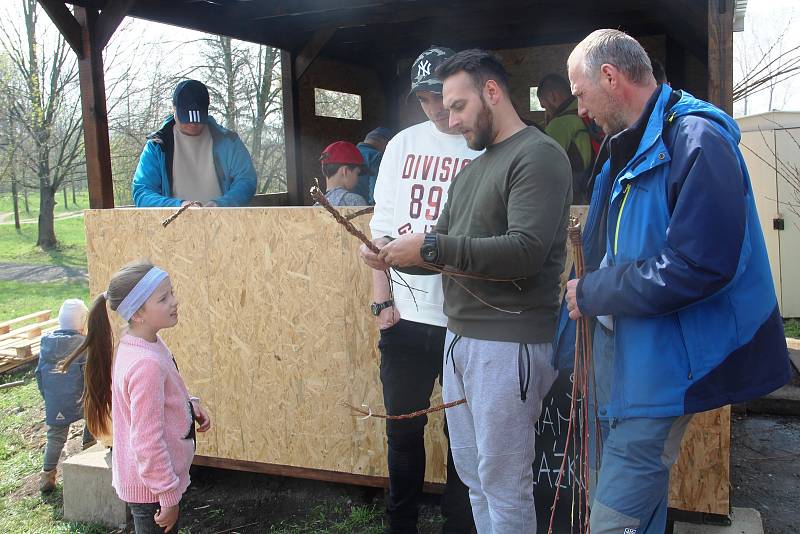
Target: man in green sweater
[(505, 222)]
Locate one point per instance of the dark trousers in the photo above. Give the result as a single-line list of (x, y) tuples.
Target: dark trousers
[(411, 362), (143, 518)]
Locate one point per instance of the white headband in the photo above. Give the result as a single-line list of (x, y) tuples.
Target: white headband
[(140, 292)]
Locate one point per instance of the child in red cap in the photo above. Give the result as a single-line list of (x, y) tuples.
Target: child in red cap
[(342, 163)]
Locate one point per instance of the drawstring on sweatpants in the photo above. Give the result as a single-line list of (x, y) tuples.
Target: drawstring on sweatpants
[(524, 380), (450, 349)]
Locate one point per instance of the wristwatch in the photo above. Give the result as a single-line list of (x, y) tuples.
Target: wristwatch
[(378, 307), (430, 248)]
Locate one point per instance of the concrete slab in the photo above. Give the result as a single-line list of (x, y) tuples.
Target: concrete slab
[(88, 495), (794, 355), (784, 401), (743, 521)]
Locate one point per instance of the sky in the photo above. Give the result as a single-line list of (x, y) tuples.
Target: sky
[(765, 21)]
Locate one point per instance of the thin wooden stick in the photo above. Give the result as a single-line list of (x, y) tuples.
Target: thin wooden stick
[(359, 213), (12, 384), (175, 215), (411, 415)]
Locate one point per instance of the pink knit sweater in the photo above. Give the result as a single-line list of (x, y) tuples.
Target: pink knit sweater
[(151, 419)]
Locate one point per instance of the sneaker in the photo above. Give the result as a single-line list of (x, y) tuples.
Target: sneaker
[(47, 481)]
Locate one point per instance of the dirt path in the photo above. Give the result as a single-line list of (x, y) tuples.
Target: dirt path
[(8, 218), (20, 272)]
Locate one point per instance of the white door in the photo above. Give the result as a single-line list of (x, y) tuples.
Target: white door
[(787, 143), (758, 149)]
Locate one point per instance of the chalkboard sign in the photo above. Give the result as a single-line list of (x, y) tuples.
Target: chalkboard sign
[(551, 437)]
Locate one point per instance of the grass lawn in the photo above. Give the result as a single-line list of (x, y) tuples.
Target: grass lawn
[(7, 205), (23, 510), (20, 247), (792, 328), (20, 299)]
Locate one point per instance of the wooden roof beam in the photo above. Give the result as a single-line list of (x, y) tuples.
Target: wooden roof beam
[(312, 49), (110, 18), (65, 21), (258, 11)]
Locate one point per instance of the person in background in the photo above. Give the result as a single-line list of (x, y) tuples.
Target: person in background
[(62, 392), (372, 148), (568, 129), (342, 164), (658, 72), (193, 159)]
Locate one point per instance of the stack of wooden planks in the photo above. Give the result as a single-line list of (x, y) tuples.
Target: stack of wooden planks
[(20, 344)]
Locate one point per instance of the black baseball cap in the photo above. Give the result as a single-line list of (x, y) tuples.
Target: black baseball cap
[(190, 99), (423, 71)]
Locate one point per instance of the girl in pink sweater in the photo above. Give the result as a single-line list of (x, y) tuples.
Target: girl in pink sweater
[(139, 387)]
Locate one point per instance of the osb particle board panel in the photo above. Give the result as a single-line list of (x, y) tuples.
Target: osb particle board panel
[(274, 333), (700, 479)]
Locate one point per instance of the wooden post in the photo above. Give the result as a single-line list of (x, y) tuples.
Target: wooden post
[(297, 189), (720, 54), (95, 114)]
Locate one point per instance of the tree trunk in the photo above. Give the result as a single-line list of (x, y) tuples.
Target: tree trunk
[(15, 198), (47, 232), (66, 204), (25, 195), (229, 67), (74, 201)]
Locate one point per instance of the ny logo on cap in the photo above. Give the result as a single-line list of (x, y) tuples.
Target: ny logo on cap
[(423, 69)]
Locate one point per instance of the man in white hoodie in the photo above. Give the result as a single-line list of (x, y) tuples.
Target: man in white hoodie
[(411, 190)]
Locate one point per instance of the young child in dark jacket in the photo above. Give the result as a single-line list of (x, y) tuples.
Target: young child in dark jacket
[(61, 391)]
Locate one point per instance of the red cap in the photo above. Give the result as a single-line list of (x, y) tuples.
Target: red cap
[(341, 153)]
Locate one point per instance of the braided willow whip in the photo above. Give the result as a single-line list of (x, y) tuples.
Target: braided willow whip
[(317, 195), (175, 215), (582, 369), (368, 414)]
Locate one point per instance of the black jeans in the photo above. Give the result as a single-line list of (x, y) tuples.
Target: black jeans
[(143, 522), (411, 361)]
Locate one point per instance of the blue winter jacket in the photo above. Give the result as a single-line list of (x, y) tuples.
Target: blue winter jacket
[(61, 391), (366, 181), (152, 182), (688, 283)]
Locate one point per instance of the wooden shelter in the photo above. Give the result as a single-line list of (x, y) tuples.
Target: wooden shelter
[(362, 47), (365, 47)]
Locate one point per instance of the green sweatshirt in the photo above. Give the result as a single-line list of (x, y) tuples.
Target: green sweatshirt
[(506, 216), (569, 131)]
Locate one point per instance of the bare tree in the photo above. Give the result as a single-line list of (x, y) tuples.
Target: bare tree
[(266, 112), (765, 60), (243, 80), (49, 110)]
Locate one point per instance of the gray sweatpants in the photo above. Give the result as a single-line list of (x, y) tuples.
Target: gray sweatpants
[(492, 436)]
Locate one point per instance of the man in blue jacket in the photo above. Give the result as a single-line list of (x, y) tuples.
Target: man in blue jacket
[(192, 158), (372, 148), (677, 276)]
